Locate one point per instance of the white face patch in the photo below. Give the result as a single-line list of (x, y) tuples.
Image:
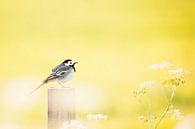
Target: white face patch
[(70, 62)]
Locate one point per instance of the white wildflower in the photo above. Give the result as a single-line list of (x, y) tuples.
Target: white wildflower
[(97, 117), (175, 113), (162, 65), (179, 72), (154, 66), (166, 64), (143, 88), (176, 71), (73, 124), (147, 83)]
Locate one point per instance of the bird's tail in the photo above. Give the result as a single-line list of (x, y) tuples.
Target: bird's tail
[(44, 82)]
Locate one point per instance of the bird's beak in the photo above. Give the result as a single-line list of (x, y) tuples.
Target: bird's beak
[(75, 63)]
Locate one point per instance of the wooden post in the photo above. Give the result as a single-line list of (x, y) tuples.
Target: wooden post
[(61, 106)]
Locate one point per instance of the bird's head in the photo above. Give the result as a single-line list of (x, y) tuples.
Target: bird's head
[(70, 62)]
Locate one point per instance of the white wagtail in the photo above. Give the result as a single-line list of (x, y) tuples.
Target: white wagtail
[(61, 73)]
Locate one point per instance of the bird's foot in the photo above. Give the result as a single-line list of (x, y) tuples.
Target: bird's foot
[(61, 85)]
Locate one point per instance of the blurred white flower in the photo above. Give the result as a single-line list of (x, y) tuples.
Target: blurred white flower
[(154, 66), (179, 72), (143, 88), (10, 125), (162, 65), (73, 124), (175, 71), (16, 93), (147, 83), (187, 123), (175, 114), (97, 117)]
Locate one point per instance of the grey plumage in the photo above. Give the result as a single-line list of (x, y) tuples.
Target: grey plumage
[(61, 73), (58, 71)]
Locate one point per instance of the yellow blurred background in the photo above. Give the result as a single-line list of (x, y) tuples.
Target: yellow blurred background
[(114, 43)]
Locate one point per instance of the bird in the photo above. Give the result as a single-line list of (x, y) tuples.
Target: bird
[(61, 73)]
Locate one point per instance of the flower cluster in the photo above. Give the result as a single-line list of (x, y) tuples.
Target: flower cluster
[(175, 114), (139, 91), (142, 88), (97, 117), (161, 65), (174, 82), (179, 72), (73, 124), (175, 78), (145, 119), (147, 83)]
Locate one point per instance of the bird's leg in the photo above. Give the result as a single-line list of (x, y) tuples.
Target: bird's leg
[(62, 86)]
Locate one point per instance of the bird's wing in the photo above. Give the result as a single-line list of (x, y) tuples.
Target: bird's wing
[(57, 67), (57, 72), (60, 68)]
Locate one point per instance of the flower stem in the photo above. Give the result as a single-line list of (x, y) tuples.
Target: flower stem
[(149, 120), (149, 113), (166, 110)]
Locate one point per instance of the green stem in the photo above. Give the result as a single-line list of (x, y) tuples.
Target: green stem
[(166, 110), (149, 121), (149, 113)]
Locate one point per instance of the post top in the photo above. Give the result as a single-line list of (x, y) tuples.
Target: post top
[(59, 88)]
